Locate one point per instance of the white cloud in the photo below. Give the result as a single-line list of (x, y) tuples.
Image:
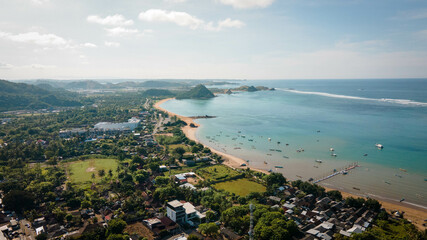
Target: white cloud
[(113, 20), (39, 66), (112, 44), (184, 19), (176, 1), (179, 18), (229, 23), (368, 44), (247, 3), (89, 45), (120, 31), (39, 1), (35, 38), (6, 66)]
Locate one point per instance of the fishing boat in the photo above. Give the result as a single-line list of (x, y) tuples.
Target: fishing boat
[(387, 182), (270, 170), (401, 200), (365, 154), (379, 146), (243, 136), (269, 139), (265, 162), (237, 148), (250, 140), (278, 166), (287, 144), (238, 131), (334, 155), (344, 172), (331, 149), (355, 188), (269, 154), (278, 150), (278, 142), (310, 179), (285, 157), (318, 160), (271, 149)]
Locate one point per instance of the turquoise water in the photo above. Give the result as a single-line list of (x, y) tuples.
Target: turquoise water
[(350, 116)]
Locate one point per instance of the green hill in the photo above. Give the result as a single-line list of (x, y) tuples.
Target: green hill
[(17, 96), (158, 93), (198, 92)]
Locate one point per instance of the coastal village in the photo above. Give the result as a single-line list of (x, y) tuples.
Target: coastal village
[(166, 186)]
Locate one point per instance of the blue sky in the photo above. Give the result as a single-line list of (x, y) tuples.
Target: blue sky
[(232, 39)]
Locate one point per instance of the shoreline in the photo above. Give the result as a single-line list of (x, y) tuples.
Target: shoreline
[(415, 214)]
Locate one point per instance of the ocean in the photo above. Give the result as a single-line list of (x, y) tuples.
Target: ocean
[(271, 128)]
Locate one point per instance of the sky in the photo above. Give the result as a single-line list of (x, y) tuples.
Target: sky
[(213, 39)]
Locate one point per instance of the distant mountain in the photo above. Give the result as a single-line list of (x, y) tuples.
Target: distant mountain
[(198, 92), (158, 93), (17, 96), (86, 85), (162, 84)]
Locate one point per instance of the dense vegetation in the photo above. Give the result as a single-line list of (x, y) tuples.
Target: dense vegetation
[(16, 96), (198, 92)]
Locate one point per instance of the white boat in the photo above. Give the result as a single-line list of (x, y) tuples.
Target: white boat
[(334, 155), (269, 139), (319, 161), (331, 149), (379, 146)]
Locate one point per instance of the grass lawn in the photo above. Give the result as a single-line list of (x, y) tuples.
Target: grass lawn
[(217, 173), (241, 187), (81, 171)]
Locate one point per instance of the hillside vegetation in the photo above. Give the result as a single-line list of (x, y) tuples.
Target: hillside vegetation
[(17, 96), (198, 92)]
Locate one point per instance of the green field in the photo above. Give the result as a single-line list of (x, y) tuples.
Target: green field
[(241, 187), (80, 172), (217, 173)]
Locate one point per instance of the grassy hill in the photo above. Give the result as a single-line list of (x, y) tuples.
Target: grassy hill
[(17, 96), (198, 92)]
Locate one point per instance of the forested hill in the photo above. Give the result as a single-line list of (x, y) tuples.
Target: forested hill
[(17, 96), (198, 92)]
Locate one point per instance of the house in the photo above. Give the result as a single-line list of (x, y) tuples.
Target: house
[(183, 212), (175, 211)]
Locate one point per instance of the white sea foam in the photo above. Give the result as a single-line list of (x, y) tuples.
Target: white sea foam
[(387, 100)]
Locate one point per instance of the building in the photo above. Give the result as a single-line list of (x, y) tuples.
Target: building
[(183, 212), (175, 211)]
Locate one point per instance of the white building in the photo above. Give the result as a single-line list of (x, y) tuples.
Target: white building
[(183, 212)]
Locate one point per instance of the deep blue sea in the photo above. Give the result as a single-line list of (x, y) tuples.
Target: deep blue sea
[(350, 116)]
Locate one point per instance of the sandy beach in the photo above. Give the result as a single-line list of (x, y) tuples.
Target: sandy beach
[(414, 214)]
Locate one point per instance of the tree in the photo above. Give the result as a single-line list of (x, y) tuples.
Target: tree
[(276, 179), (192, 237), (179, 150), (69, 217), (208, 229), (373, 204), (116, 226), (101, 172), (17, 200), (335, 195), (93, 176), (110, 173)]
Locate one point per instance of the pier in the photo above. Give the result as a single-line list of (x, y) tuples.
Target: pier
[(336, 172)]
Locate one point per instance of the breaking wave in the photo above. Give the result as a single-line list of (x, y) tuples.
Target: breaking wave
[(387, 100)]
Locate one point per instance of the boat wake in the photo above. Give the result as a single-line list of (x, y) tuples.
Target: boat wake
[(387, 100)]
